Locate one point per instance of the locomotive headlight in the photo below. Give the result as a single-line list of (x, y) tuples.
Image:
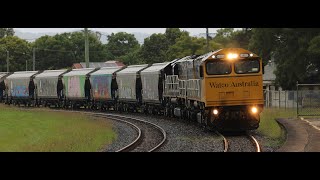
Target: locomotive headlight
[(254, 110), (215, 112), (232, 56)]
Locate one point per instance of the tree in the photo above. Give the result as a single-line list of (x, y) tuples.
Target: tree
[(54, 52), (172, 34), (294, 50), (19, 50), (263, 41), (62, 50), (187, 45), (291, 54), (132, 58), (241, 38), (4, 32), (154, 49), (313, 67), (97, 51), (314, 53), (120, 44), (224, 37)]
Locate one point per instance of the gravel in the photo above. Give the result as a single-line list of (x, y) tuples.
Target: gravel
[(240, 143), (183, 136), (151, 137), (125, 135), (267, 144), (262, 142)]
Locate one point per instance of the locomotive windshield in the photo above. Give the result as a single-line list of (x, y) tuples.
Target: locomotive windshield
[(247, 66), (218, 67)]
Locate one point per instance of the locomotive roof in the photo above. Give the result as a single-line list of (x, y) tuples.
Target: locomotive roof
[(2, 74), (182, 59), (51, 73), (133, 69), (22, 74), (79, 72), (107, 70), (226, 51), (155, 68)]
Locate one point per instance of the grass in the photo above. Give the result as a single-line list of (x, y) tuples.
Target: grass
[(310, 112), (43, 131), (270, 128)]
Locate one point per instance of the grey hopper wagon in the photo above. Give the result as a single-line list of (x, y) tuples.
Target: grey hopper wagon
[(129, 83), (3, 86), (101, 81), (74, 82), (104, 87), (18, 85), (76, 95), (153, 79), (47, 87)]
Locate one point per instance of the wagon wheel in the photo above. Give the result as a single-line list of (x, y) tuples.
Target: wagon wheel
[(116, 108), (125, 108), (187, 115), (65, 105), (166, 112), (145, 109)]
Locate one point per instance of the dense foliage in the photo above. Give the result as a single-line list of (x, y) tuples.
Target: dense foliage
[(296, 51)]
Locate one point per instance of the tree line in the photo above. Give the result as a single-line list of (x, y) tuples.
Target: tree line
[(296, 51)]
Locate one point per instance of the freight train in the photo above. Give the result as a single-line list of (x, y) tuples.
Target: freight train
[(221, 89)]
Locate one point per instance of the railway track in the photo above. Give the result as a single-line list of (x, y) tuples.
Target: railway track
[(150, 136), (255, 142), (240, 143)]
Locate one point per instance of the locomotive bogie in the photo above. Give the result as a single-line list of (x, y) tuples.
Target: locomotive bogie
[(233, 118)]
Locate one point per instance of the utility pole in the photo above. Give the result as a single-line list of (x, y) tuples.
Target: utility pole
[(86, 47), (7, 61), (34, 59), (27, 65), (207, 32)]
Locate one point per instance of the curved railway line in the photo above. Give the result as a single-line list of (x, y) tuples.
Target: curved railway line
[(240, 143), (254, 141), (150, 136)]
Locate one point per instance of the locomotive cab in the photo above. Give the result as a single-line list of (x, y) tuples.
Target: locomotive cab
[(233, 89)]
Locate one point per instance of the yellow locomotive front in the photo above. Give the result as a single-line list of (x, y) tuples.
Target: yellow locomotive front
[(233, 89)]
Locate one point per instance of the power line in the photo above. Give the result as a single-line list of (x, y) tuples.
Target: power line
[(54, 50), (113, 50), (29, 39)]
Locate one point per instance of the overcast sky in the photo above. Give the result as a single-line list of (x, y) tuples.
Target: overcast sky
[(110, 30)]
